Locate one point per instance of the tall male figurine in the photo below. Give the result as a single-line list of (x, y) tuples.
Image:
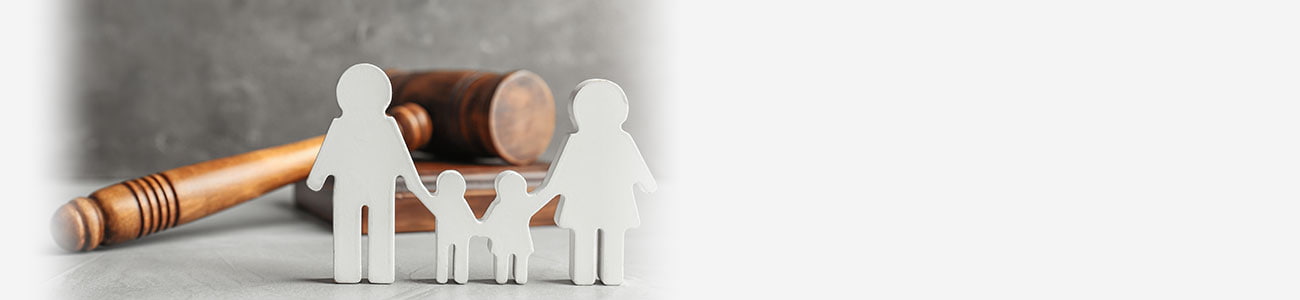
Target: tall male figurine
[(594, 174), (365, 153)]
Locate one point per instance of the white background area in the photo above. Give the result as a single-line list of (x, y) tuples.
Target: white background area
[(916, 150)]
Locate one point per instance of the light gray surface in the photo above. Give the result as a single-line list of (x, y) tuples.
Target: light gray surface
[(161, 84), (267, 249)]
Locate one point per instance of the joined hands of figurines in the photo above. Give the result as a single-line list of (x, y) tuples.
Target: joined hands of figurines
[(593, 175)]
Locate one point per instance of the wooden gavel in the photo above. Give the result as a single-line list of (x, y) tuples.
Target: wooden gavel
[(461, 114)]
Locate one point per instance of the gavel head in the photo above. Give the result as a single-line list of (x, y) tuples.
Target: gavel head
[(479, 114), (463, 114)]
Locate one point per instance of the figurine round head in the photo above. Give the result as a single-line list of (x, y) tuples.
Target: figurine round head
[(598, 103), (451, 182), (364, 89), (511, 182)]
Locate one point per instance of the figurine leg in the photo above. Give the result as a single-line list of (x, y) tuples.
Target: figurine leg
[(347, 242), (381, 242), (611, 256), (442, 262), (521, 268), (461, 256), (582, 256), (502, 264)]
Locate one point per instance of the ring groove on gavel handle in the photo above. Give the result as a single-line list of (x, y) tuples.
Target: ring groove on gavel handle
[(160, 207), (166, 201), (170, 195), (142, 206), (157, 202), (514, 109)]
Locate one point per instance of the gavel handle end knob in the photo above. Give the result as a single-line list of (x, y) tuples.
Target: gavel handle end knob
[(78, 225)]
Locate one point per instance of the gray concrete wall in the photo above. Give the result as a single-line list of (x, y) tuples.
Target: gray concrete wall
[(161, 84)]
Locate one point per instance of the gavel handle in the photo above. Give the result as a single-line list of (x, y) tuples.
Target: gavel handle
[(138, 207)]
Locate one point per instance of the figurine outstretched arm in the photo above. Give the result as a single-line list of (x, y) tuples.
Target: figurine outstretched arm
[(324, 165), (409, 174), (643, 176), (552, 184)]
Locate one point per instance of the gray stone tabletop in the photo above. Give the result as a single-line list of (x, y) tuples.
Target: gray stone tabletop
[(267, 248)]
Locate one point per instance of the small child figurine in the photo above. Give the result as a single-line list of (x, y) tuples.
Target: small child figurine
[(455, 224), (506, 226)]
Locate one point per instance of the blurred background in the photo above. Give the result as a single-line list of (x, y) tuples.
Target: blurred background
[(1139, 149), (161, 84), (150, 85)]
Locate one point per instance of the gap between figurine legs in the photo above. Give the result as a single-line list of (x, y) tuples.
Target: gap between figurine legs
[(460, 256), (520, 267), (501, 267)]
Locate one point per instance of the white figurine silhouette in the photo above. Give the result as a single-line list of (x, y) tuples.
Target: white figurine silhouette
[(594, 173), (365, 153), (455, 224), (506, 225)]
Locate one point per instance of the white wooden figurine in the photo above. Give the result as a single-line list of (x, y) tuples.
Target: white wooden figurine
[(597, 166), (455, 225), (506, 225), (365, 153), (594, 174)]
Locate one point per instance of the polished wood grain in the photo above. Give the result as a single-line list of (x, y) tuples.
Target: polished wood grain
[(483, 114), (142, 206), (138, 207)]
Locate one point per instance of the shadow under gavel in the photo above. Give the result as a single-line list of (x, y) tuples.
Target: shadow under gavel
[(463, 114)]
